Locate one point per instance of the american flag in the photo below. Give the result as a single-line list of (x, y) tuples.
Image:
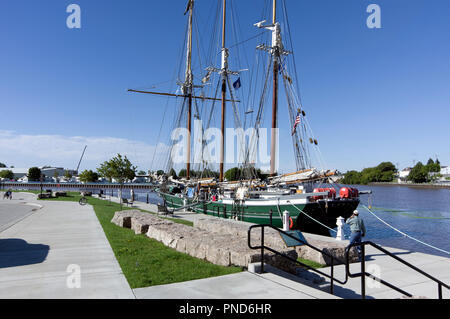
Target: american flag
[(297, 122)]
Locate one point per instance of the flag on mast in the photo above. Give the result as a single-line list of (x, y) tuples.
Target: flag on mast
[(297, 122), (237, 84)]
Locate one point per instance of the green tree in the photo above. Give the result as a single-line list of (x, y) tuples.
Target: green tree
[(233, 174), (433, 166), (387, 172), (384, 172), (8, 174), (160, 172), (173, 173), (182, 173), (352, 178), (67, 175), (141, 173), (34, 174), (2, 165), (419, 173), (88, 176), (119, 168)]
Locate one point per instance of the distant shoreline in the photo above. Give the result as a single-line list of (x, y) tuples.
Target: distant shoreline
[(412, 185)]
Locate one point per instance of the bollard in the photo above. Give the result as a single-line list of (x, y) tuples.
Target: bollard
[(286, 221), (340, 231)]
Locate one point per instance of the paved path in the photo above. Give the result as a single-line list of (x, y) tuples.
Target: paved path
[(12, 211), (37, 252), (244, 285)]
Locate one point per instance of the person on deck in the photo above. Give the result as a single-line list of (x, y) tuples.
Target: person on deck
[(358, 230)]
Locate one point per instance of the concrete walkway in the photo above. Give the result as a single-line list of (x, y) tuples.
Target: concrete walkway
[(244, 285), (42, 254)]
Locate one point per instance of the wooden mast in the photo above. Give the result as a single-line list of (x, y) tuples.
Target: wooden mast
[(274, 98), (189, 85), (224, 92)]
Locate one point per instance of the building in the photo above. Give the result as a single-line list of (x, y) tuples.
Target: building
[(445, 171), (18, 172), (48, 172), (403, 175)]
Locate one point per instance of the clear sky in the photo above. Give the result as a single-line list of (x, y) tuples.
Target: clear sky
[(371, 95)]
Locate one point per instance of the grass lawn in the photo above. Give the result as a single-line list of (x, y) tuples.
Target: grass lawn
[(311, 263), (146, 262)]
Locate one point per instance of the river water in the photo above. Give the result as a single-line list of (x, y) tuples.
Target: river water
[(418, 212)]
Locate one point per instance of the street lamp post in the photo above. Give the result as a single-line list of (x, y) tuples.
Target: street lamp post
[(41, 179)]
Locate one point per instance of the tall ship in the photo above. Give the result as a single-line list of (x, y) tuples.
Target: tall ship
[(246, 192)]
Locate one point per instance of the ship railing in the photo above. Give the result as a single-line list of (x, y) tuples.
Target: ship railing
[(363, 273), (333, 259)]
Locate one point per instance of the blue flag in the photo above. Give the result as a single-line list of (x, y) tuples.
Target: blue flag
[(237, 84)]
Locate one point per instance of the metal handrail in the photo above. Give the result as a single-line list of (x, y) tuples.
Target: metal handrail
[(262, 247), (363, 272)]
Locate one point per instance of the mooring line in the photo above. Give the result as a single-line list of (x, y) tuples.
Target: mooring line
[(404, 234), (312, 218)]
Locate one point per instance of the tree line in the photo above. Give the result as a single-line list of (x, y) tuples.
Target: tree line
[(386, 172)]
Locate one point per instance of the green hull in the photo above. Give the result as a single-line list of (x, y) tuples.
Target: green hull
[(251, 214)]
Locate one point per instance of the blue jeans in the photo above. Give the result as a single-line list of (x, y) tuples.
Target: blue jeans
[(356, 238)]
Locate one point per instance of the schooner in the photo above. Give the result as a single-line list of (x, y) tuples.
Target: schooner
[(254, 197)]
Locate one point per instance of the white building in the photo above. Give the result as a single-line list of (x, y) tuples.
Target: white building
[(445, 171), (403, 175)]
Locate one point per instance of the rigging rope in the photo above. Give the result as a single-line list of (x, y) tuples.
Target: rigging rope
[(404, 234)]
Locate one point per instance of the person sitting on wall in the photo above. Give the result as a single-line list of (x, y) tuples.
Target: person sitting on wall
[(358, 230)]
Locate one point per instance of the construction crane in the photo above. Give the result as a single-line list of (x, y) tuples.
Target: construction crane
[(81, 159)]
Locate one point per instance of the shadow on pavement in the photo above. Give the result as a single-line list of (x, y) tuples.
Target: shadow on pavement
[(17, 252)]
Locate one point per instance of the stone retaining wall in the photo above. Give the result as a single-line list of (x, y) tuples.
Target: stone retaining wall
[(273, 240), (228, 248)]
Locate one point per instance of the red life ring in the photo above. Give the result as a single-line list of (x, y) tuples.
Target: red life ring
[(291, 224)]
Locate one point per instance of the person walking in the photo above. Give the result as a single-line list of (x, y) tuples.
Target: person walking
[(358, 230)]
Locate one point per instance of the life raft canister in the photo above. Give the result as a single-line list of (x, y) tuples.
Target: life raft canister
[(345, 192), (348, 192), (331, 193)]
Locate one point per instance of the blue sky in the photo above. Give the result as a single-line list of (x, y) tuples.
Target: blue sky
[(371, 95)]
